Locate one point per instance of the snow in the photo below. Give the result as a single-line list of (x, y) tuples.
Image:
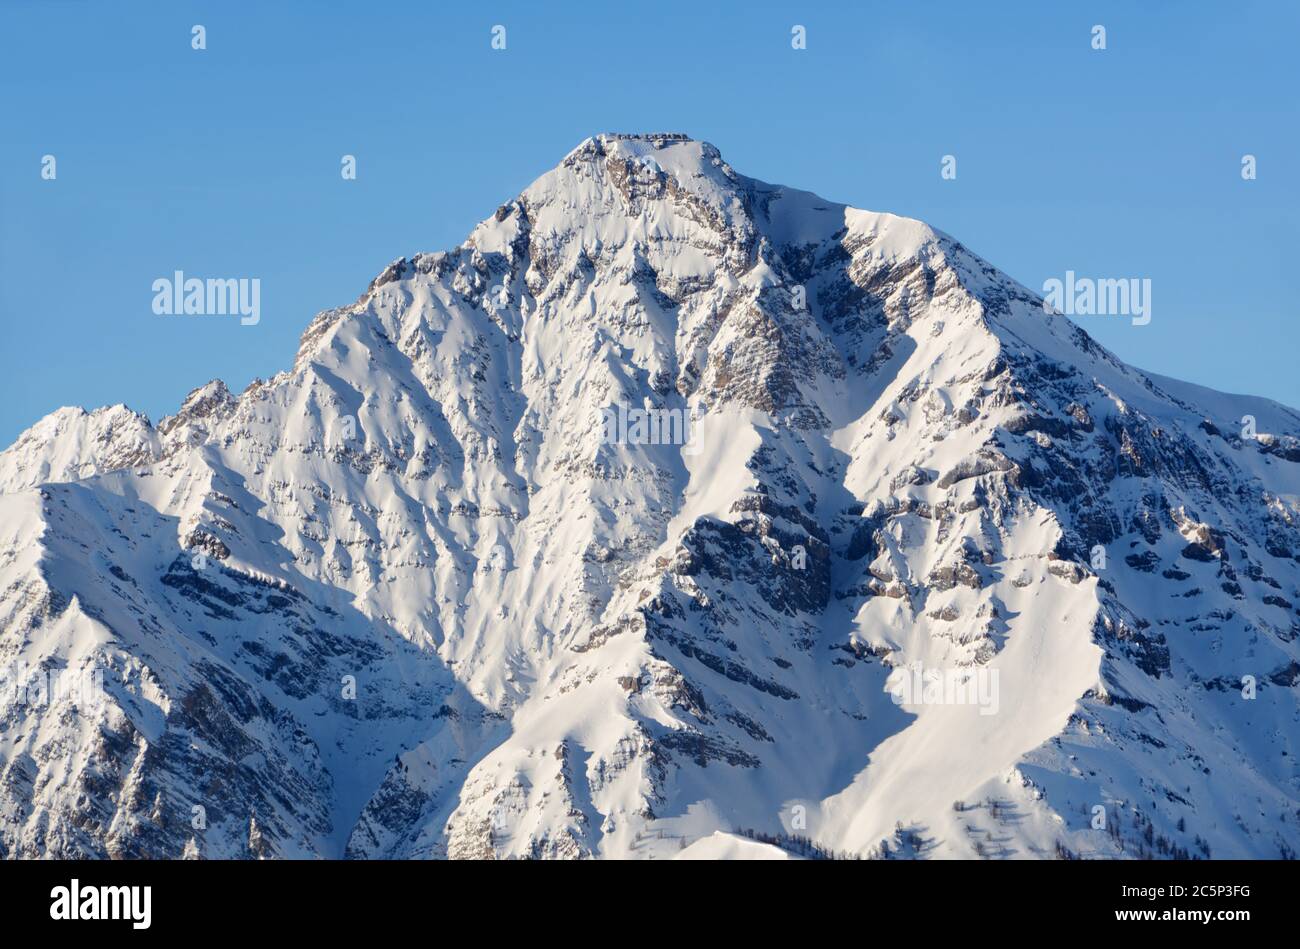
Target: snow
[(720, 846)]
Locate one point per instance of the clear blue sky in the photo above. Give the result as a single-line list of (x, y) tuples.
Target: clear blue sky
[(225, 162)]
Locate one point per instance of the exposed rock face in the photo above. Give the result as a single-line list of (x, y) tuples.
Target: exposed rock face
[(407, 599)]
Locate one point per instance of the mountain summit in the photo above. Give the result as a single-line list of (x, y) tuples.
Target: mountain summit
[(672, 514)]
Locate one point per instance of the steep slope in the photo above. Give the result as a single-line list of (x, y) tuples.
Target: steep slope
[(410, 597)]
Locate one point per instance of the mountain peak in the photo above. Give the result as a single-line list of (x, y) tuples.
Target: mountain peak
[(662, 153), (657, 138), (605, 141), (71, 443), (207, 403)]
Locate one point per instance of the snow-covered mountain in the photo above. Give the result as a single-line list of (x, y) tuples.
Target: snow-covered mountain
[(439, 591)]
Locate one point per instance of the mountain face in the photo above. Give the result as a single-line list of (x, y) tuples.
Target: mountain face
[(671, 514)]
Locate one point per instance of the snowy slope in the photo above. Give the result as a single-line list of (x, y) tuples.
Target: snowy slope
[(72, 443), (405, 600)]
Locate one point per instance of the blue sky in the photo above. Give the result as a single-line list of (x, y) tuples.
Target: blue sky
[(225, 162)]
